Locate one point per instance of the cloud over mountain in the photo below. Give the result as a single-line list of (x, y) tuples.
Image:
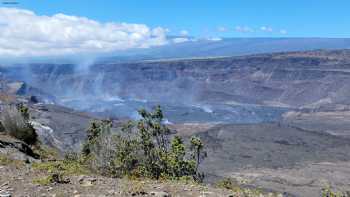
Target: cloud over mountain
[(244, 29), (24, 33), (266, 29)]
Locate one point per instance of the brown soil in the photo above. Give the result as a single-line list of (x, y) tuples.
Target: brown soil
[(19, 180)]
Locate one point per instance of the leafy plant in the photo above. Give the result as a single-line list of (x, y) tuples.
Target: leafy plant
[(24, 110), (226, 183), (64, 167), (328, 192), (198, 155), (154, 142), (93, 132), (142, 149), (52, 178), (15, 120), (127, 154), (238, 190), (5, 160), (46, 153)]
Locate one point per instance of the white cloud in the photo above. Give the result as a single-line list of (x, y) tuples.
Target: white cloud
[(244, 29), (222, 29), (266, 29), (214, 39), (184, 33), (180, 40), (24, 33), (283, 31)]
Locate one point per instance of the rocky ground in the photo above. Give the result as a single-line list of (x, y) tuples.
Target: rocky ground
[(31, 171), (280, 157), (276, 157), (285, 157), (18, 181), (22, 180), (303, 180), (333, 122)]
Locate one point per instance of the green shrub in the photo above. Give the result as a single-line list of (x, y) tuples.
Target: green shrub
[(46, 153), (197, 155), (15, 121), (99, 150), (157, 156), (142, 149), (50, 179), (43, 180), (328, 192), (238, 190), (178, 165), (226, 183), (127, 154), (5, 160), (93, 132), (64, 167), (24, 110)]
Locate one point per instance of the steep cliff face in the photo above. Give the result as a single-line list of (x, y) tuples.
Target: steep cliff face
[(311, 80)]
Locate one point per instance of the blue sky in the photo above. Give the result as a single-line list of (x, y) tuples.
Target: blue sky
[(205, 18)]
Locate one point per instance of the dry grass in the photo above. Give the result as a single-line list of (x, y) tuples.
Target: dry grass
[(133, 187), (6, 98), (63, 167), (6, 161)]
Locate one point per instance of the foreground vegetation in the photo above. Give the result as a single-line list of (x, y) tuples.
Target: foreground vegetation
[(142, 149), (15, 121), (328, 192)]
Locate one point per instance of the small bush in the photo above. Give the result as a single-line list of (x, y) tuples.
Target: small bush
[(96, 129), (142, 149), (43, 181), (239, 190), (328, 192), (126, 155), (46, 153), (133, 188), (15, 121), (226, 184), (64, 167), (2, 129), (51, 179), (99, 149), (5, 160)]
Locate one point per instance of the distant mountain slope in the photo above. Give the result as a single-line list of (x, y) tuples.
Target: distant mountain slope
[(233, 47)]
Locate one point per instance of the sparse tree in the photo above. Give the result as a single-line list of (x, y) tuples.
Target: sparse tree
[(179, 165), (16, 122), (154, 141), (99, 149), (93, 132), (142, 149), (127, 148), (24, 110), (198, 155)]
